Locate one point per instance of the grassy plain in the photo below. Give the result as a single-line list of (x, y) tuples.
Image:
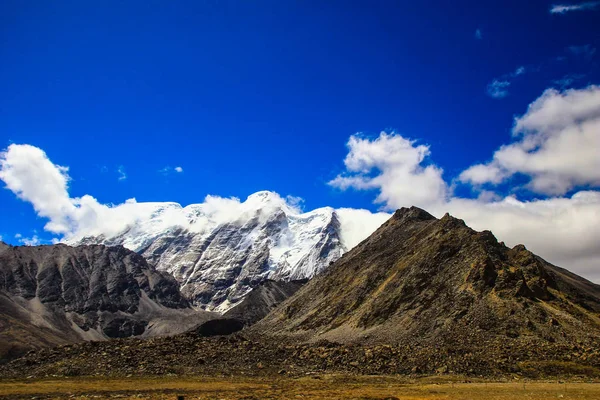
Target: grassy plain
[(309, 387)]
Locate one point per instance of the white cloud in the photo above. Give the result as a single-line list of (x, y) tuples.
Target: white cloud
[(29, 173), (480, 174), (392, 165), (18, 236), (478, 34), (498, 89), (33, 241), (358, 224), (1, 238), (557, 145), (564, 8), (121, 172), (169, 170), (563, 230)]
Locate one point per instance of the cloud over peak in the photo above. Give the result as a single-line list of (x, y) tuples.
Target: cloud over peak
[(394, 166), (556, 144)]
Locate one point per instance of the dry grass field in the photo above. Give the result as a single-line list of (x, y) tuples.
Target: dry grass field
[(310, 387)]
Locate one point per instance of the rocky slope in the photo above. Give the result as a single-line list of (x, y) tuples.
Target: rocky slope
[(263, 299), (437, 284), (219, 256), (420, 295), (59, 294)]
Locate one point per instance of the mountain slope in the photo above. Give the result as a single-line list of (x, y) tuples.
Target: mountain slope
[(262, 299), (218, 256), (437, 285), (60, 294)]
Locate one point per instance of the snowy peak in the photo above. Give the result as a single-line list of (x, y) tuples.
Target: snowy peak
[(221, 249)]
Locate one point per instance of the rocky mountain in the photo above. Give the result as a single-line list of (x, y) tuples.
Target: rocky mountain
[(450, 294), (59, 294), (420, 296), (218, 253), (263, 299)]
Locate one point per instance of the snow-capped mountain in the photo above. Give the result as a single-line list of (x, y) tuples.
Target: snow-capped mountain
[(220, 252)]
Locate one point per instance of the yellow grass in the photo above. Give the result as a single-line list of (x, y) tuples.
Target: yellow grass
[(312, 387)]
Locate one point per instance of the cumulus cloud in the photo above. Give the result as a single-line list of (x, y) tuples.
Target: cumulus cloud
[(358, 224), (565, 8), (27, 172), (394, 166), (557, 145), (178, 169), (32, 241), (30, 174), (563, 230)]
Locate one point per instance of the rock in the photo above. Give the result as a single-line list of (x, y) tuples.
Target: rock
[(219, 326), (51, 294), (218, 265)]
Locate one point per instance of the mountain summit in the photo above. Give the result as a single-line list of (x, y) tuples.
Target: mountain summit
[(438, 285), (219, 252)]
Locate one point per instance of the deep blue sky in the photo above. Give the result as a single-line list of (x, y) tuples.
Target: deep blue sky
[(252, 95)]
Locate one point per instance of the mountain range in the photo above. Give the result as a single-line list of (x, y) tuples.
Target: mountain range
[(421, 279), (51, 295), (219, 257), (419, 295)]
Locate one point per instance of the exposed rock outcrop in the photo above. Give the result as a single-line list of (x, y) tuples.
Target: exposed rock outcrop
[(436, 283), (60, 294)]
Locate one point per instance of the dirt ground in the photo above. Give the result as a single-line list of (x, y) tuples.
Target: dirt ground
[(309, 387)]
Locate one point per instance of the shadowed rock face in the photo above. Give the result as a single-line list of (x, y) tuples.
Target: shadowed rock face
[(426, 281), (85, 279), (59, 294), (262, 299), (219, 327)]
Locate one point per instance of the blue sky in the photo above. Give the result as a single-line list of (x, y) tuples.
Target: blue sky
[(246, 96)]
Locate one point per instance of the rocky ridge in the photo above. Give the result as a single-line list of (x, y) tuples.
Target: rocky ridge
[(59, 294), (426, 281), (219, 257), (419, 296)]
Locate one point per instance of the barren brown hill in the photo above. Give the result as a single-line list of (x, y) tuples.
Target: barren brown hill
[(433, 282)]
